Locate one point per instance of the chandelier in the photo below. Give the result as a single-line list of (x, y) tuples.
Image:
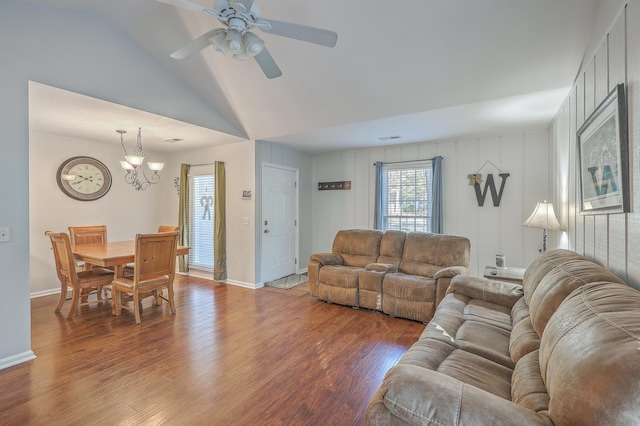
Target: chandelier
[(132, 164)]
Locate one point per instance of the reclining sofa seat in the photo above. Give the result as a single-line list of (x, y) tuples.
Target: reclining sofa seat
[(428, 263), (402, 274), (333, 277), (562, 349)]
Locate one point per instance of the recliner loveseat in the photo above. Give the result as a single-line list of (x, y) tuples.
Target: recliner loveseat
[(402, 274)]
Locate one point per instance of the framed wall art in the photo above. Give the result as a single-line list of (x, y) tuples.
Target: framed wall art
[(603, 157)]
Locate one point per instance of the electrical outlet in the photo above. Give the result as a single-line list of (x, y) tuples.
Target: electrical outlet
[(5, 235)]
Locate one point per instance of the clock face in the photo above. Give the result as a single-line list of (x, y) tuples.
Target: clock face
[(84, 178)]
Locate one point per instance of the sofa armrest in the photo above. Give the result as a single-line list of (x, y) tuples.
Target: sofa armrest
[(381, 267), (328, 258), (451, 272), (499, 292), (417, 395)]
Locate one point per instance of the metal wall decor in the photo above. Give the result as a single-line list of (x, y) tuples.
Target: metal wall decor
[(475, 179), (323, 186)]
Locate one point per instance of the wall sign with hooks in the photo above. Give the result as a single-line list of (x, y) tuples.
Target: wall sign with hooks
[(475, 179), (323, 186)]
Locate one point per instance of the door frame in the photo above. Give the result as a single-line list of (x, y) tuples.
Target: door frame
[(297, 213)]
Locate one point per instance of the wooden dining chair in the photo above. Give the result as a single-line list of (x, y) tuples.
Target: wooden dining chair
[(81, 283), (128, 269), (154, 269), (88, 235), (168, 228)]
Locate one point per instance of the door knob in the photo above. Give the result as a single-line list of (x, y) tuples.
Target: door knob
[(266, 231)]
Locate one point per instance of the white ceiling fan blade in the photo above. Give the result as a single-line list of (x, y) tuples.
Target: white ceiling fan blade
[(194, 46), (300, 32), (242, 6), (267, 64)]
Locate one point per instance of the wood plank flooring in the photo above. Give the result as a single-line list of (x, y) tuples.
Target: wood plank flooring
[(230, 356)]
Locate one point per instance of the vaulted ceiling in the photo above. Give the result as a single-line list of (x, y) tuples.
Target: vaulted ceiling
[(422, 70)]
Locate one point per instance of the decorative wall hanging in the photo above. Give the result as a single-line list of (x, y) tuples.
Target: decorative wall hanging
[(475, 179), (603, 154), (323, 186), (176, 184)]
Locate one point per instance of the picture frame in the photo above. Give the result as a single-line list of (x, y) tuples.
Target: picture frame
[(603, 157)]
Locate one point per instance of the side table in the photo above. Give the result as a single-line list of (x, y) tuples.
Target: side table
[(509, 274)]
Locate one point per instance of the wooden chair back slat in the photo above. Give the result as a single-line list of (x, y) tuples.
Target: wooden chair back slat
[(88, 234)]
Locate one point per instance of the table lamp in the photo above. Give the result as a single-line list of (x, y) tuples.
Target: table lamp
[(543, 217)]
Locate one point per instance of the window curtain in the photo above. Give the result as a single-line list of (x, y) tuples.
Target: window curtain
[(377, 212), (219, 230), (437, 214), (183, 216)]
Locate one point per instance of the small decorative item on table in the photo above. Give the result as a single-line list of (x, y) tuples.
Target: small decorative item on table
[(501, 261)]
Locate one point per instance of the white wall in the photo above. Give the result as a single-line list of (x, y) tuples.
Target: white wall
[(124, 210), (492, 230), (239, 159), (610, 240)]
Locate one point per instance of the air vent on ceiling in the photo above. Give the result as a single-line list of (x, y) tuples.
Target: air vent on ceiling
[(174, 140), (388, 138)]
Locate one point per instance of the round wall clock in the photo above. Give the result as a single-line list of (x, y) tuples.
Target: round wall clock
[(83, 178)]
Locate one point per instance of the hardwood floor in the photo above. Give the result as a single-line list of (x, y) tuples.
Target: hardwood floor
[(229, 356)]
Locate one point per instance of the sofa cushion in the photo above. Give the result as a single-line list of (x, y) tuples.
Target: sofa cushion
[(527, 386), (391, 247), (358, 247), (339, 276), (425, 254), (558, 283), (524, 340), (589, 356), (542, 264), (409, 296)]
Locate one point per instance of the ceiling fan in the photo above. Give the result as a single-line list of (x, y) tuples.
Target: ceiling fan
[(240, 17)]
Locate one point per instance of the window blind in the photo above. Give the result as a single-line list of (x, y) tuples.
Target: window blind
[(406, 196), (201, 208)]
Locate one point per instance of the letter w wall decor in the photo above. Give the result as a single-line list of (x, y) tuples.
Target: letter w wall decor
[(490, 185)]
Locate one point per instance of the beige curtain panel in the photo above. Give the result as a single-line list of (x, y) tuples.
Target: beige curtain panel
[(183, 215), (219, 232)]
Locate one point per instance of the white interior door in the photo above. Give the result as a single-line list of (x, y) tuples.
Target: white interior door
[(279, 221)]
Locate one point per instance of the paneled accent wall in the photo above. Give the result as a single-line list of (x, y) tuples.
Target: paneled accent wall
[(492, 230), (610, 240)]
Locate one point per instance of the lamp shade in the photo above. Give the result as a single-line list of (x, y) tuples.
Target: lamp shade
[(543, 217)]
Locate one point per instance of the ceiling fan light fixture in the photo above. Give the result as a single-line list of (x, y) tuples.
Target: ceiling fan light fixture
[(218, 41), (253, 44), (233, 41)]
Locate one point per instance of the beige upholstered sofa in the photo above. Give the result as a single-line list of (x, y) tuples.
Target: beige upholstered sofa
[(401, 274), (563, 349)]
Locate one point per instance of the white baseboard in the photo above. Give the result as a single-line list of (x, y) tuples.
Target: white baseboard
[(16, 359), (243, 284), (45, 293)]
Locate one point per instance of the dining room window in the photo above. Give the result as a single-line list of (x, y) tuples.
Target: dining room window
[(202, 209)]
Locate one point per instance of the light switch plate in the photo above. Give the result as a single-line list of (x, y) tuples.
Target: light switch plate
[(5, 235)]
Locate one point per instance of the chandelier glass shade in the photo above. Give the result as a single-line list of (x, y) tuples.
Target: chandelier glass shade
[(132, 164)]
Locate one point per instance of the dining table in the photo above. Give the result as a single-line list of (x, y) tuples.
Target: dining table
[(115, 254)]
